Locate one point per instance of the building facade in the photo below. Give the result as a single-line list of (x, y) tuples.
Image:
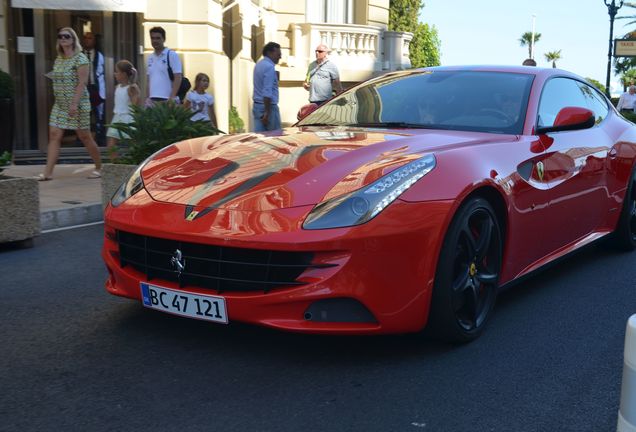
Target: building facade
[(222, 38)]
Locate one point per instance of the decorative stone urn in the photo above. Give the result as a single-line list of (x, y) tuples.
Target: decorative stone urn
[(19, 210), (113, 175)]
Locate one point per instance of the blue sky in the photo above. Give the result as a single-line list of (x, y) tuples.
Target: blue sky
[(487, 32)]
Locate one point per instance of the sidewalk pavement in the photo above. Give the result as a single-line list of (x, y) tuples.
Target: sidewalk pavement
[(69, 199)]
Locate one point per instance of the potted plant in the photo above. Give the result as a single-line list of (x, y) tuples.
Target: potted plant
[(152, 129), (7, 93), (20, 209), (236, 122)]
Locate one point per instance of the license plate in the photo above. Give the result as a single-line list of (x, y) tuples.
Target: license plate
[(199, 306)]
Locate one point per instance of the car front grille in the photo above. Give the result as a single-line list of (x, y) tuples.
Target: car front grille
[(224, 269)]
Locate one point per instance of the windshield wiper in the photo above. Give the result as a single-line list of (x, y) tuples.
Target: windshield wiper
[(393, 125)]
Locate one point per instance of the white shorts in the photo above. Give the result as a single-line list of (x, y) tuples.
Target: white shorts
[(119, 118)]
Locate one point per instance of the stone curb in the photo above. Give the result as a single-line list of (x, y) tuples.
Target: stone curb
[(70, 216)]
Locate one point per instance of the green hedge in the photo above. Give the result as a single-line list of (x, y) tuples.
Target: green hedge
[(7, 89), (631, 116), (5, 160)]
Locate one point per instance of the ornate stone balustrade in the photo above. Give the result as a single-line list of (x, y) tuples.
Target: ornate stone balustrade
[(353, 47)]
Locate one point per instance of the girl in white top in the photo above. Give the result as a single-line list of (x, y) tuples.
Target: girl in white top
[(199, 102), (126, 94)]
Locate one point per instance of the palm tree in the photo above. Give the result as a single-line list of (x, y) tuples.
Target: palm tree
[(631, 17), (553, 56), (526, 39)]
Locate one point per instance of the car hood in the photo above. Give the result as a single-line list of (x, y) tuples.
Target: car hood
[(294, 167)]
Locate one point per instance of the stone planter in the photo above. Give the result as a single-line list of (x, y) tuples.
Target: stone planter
[(20, 210), (113, 175)]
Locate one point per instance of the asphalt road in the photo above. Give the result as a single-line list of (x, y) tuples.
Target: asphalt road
[(73, 358)]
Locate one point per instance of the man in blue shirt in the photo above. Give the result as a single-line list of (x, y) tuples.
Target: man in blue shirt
[(265, 113)]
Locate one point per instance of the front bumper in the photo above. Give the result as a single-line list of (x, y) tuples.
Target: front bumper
[(386, 265)]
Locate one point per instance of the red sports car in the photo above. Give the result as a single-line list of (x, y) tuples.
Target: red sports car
[(408, 201)]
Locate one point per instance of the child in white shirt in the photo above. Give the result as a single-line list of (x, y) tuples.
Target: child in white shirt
[(126, 94), (199, 102)]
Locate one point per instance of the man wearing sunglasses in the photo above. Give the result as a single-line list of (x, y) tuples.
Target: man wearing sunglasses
[(322, 77)]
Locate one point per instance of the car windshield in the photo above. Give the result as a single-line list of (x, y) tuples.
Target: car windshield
[(477, 101)]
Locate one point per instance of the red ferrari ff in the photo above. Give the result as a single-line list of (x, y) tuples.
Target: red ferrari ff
[(406, 202)]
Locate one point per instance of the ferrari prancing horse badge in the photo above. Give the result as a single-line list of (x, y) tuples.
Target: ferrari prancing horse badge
[(540, 171)]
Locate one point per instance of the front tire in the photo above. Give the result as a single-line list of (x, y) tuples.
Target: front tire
[(625, 234), (467, 277)]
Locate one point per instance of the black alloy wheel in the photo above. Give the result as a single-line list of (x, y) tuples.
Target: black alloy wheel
[(467, 276), (625, 233)]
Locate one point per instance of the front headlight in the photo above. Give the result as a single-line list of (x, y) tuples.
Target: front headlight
[(364, 204), (133, 184)]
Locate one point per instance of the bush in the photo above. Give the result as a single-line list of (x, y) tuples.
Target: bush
[(236, 123), (5, 160), (631, 116), (156, 127), (7, 89)]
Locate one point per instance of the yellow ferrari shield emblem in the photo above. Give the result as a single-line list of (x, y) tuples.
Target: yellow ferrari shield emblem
[(540, 170), (192, 215)]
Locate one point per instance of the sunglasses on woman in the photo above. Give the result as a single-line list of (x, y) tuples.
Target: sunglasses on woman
[(64, 36)]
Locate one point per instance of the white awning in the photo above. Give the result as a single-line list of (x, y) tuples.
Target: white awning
[(93, 5)]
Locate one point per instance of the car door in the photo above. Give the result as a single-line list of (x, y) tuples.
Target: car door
[(573, 165)]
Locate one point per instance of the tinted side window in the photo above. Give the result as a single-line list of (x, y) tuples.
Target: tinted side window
[(595, 102), (559, 93)]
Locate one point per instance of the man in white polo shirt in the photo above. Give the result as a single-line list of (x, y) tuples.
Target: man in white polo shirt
[(160, 87)]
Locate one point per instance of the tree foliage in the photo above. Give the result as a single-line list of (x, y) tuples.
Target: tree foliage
[(403, 14), (526, 40), (628, 78), (425, 46), (596, 84)]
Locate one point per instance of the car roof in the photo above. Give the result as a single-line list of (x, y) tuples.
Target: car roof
[(532, 70)]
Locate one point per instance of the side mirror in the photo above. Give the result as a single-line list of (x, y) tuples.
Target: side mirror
[(305, 110), (570, 118)]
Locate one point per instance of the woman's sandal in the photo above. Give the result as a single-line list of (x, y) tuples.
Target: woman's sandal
[(95, 175), (42, 177)]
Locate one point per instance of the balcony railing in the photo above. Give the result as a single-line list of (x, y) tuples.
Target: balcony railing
[(353, 47)]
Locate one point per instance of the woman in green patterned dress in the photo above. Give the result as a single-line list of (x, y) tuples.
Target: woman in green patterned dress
[(72, 108)]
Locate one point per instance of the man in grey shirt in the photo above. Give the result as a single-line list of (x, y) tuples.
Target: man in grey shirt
[(322, 77)]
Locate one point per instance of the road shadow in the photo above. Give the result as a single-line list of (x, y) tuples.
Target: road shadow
[(245, 339)]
